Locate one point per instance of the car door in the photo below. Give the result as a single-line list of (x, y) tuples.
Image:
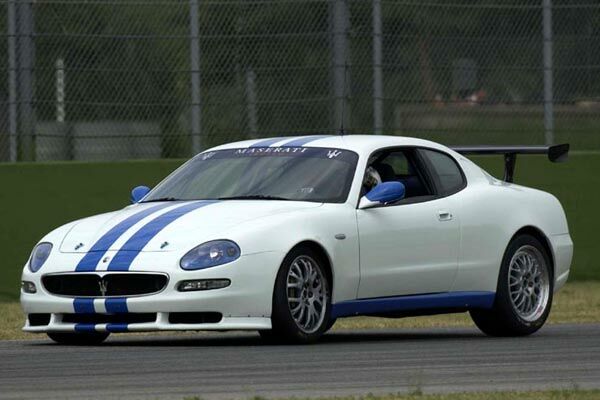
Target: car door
[(411, 246)]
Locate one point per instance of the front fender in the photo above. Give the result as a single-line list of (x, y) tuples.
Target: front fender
[(283, 232)]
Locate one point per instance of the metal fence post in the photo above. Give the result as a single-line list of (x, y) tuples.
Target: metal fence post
[(12, 79), (26, 63), (377, 72), (251, 102), (340, 59), (548, 70), (195, 78)]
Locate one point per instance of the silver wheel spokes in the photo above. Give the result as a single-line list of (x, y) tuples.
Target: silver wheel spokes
[(528, 283), (307, 294)]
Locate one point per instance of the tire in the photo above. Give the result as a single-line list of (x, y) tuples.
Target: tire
[(330, 324), (78, 339), (524, 292), (304, 270)]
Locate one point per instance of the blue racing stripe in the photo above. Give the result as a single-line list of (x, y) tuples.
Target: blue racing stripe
[(130, 250), (83, 306), (116, 328), (117, 305), (267, 142), (434, 301), (97, 251), (85, 328), (302, 141)]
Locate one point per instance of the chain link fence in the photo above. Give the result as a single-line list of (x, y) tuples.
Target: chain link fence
[(108, 79)]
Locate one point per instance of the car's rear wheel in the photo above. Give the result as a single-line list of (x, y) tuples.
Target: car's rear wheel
[(524, 292), (301, 298), (78, 339)]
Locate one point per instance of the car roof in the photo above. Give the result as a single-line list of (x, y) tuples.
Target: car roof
[(361, 144)]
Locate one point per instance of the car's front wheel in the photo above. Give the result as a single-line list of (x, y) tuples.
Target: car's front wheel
[(524, 292), (78, 339), (301, 298)]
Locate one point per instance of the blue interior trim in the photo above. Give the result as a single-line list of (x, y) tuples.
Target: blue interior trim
[(413, 303), (85, 328), (130, 250), (97, 251), (83, 306), (117, 305), (302, 141), (267, 142)]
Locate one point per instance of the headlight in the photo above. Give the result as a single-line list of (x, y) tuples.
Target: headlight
[(210, 254), (39, 255)]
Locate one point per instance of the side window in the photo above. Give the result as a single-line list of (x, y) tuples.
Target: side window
[(447, 171), (399, 165)]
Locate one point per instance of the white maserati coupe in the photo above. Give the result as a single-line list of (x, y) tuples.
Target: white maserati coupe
[(285, 235)]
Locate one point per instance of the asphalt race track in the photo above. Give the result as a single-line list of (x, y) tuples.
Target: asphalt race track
[(239, 365)]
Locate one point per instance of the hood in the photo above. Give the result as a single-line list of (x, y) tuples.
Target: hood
[(167, 226)]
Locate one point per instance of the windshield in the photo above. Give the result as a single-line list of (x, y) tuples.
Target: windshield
[(265, 173)]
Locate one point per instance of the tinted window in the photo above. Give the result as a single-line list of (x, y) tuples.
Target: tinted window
[(447, 171)]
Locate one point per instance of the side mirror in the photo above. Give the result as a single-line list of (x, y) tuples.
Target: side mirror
[(385, 192), (138, 193)]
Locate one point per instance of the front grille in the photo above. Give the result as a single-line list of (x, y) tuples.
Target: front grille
[(128, 318), (109, 285)]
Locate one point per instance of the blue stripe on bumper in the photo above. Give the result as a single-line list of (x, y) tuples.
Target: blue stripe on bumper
[(116, 305), (85, 328), (83, 306), (114, 328)]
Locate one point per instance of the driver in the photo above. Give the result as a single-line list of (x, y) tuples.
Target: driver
[(372, 179)]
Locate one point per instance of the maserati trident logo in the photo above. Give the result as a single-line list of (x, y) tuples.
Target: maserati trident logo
[(103, 287), (333, 153)]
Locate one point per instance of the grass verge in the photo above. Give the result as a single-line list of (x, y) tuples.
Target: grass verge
[(577, 302)]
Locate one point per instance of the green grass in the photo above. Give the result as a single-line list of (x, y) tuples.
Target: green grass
[(577, 302), (36, 198)]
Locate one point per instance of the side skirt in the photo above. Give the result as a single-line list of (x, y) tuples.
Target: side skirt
[(413, 303)]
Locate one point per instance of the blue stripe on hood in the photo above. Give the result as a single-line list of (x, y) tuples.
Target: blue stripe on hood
[(130, 250), (97, 251)]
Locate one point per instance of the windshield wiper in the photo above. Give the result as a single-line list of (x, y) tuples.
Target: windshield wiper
[(253, 197), (160, 199)]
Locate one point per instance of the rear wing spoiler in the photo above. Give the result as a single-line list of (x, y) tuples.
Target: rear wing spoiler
[(556, 153)]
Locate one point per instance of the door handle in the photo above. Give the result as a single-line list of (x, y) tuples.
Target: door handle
[(444, 215)]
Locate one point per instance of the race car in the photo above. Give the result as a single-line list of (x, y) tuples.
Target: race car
[(285, 235)]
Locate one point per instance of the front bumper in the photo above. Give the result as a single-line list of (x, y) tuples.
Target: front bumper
[(160, 324), (245, 304)]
